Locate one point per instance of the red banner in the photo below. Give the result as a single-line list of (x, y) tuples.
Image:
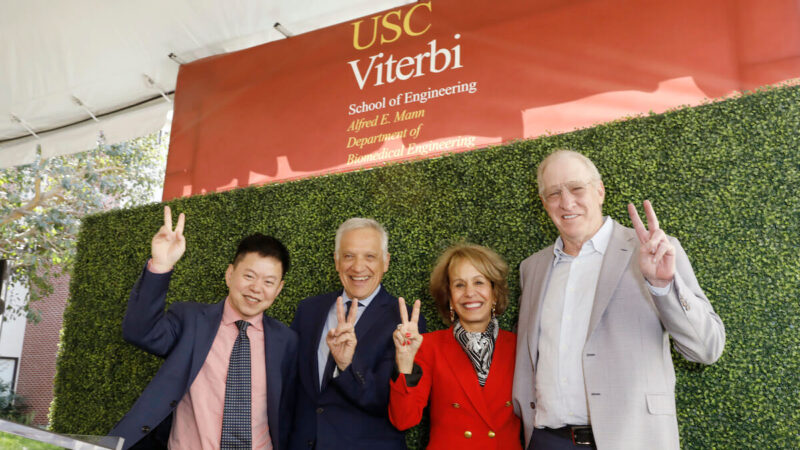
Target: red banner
[(446, 76)]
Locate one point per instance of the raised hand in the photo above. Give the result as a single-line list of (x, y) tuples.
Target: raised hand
[(656, 253), (167, 246), (407, 339), (342, 339)]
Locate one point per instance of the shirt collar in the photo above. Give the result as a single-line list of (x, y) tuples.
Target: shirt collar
[(229, 316), (598, 243), (364, 302)]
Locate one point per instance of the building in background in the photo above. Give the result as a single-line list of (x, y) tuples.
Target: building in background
[(37, 364), (28, 350), (12, 329)]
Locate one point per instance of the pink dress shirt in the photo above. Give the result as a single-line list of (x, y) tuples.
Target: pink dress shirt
[(197, 422)]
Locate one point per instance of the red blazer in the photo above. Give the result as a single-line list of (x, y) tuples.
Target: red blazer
[(463, 415)]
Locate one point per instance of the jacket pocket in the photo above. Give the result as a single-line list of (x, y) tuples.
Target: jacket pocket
[(661, 404)]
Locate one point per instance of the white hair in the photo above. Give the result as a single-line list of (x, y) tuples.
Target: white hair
[(356, 223), (565, 153)]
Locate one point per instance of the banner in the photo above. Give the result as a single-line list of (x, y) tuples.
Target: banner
[(446, 76)]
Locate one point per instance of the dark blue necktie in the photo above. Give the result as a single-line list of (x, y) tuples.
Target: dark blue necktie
[(236, 424)]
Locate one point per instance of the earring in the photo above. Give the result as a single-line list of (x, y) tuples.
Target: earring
[(493, 305), (452, 315)]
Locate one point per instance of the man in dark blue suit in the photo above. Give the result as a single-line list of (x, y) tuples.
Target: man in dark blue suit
[(346, 358), (228, 380)]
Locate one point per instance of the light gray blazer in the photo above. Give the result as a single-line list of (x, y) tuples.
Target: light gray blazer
[(627, 365)]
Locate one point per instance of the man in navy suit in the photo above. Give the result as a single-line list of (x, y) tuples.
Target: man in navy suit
[(191, 402), (346, 358)]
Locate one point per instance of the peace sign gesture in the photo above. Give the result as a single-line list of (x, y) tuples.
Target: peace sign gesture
[(407, 339), (342, 339), (167, 246), (656, 254)]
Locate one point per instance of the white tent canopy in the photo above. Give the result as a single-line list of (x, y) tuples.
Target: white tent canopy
[(61, 63)]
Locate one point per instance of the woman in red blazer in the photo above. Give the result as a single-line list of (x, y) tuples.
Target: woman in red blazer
[(465, 371)]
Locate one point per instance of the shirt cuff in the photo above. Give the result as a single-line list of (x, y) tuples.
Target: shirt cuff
[(412, 379), (660, 291), (150, 268)]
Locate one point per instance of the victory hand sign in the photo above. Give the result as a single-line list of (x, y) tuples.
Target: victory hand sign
[(167, 246), (656, 254), (407, 339), (342, 339)]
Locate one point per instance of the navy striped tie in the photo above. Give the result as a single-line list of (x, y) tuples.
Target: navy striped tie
[(236, 425)]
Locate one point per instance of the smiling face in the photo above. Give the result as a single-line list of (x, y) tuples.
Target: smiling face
[(573, 199), (361, 262), (471, 296), (253, 284)]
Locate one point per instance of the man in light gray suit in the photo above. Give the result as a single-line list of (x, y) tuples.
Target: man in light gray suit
[(597, 311)]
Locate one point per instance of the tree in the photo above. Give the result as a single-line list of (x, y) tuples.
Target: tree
[(41, 205)]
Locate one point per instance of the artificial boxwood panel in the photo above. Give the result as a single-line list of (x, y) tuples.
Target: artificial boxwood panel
[(723, 178)]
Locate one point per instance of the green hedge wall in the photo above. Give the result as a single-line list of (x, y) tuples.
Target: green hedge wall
[(723, 178)]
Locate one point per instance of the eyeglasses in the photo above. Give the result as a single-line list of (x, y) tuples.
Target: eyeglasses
[(553, 194)]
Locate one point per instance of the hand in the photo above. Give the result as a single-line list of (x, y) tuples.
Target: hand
[(167, 246), (407, 339), (342, 339), (656, 253)]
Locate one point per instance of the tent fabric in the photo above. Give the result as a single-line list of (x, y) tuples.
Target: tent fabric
[(113, 58)]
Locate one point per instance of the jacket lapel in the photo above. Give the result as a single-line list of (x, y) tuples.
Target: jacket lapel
[(317, 320), (207, 327), (539, 285), (274, 349), (499, 373), (618, 255), (374, 311), (462, 370)]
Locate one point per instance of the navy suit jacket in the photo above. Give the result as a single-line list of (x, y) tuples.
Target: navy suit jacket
[(183, 335), (351, 411)]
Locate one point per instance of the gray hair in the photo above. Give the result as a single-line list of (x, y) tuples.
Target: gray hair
[(356, 223), (565, 153)]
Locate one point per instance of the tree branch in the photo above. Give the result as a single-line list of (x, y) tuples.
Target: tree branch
[(38, 199)]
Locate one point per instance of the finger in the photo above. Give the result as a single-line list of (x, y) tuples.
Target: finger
[(352, 316), (641, 232), (167, 218), (346, 338), (398, 341), (179, 227), (340, 310), (652, 220), (163, 232), (342, 327), (657, 237), (415, 312), (401, 304), (663, 248)]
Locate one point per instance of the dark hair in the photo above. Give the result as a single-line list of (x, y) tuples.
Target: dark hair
[(266, 246)]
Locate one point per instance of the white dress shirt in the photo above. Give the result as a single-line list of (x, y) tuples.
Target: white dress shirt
[(567, 307)]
